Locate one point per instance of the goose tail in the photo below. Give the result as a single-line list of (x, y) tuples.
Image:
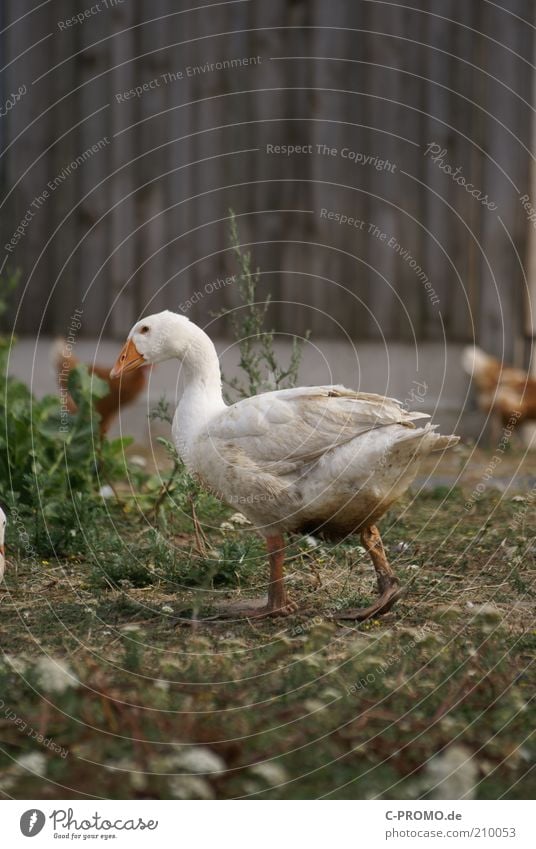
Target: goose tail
[(426, 440)]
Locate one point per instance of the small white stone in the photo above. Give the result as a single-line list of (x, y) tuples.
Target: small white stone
[(314, 705), (138, 780), (199, 759), (190, 787), (106, 491), (54, 675), (452, 774), (138, 460), (272, 773), (33, 762), (330, 693)]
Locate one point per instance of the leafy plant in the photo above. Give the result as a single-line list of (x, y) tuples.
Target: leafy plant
[(258, 359), (236, 560), (8, 283), (117, 567), (52, 462), (116, 564)]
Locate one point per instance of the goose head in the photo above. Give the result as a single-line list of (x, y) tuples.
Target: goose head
[(3, 522), (166, 336)]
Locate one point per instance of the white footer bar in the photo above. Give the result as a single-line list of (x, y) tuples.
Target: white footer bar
[(241, 824)]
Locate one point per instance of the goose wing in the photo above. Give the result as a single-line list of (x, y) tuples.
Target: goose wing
[(284, 430)]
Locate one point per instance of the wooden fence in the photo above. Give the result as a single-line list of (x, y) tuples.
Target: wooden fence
[(116, 202)]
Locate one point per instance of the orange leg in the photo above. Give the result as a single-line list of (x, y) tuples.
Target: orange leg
[(277, 603), (277, 594), (388, 584)]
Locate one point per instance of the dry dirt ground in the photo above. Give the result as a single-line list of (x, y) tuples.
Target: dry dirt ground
[(109, 689)]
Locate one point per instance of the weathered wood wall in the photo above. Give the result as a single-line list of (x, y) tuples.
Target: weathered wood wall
[(141, 224)]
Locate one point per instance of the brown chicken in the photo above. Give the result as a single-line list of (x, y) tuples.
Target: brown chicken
[(123, 390), (510, 393)]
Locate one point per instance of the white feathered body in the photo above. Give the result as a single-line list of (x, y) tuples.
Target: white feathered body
[(321, 459)]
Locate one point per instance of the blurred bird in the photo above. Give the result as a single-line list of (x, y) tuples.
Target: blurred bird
[(509, 393), (122, 391)]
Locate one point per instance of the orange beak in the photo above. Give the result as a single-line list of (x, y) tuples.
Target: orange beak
[(128, 360)]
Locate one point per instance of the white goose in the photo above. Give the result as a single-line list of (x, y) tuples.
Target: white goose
[(3, 522), (319, 459)]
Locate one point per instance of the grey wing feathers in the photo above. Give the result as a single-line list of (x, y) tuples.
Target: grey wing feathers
[(286, 429)]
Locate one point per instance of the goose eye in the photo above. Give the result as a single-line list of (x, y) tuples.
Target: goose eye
[(145, 329)]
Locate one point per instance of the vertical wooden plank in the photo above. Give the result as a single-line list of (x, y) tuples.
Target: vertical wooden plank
[(298, 258), (530, 302), (501, 303), (442, 109), (124, 177), (385, 140), (153, 134), (330, 174), (468, 143), (65, 151), (410, 236), (94, 230), (240, 111), (26, 172), (209, 175), (269, 109), (180, 185)]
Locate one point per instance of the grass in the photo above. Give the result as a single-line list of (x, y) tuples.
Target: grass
[(297, 708), (112, 687)]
